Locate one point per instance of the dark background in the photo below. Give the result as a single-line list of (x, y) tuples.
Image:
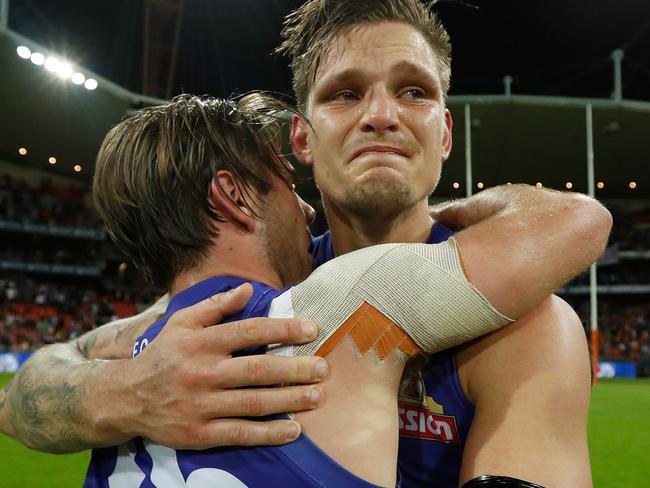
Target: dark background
[(551, 47)]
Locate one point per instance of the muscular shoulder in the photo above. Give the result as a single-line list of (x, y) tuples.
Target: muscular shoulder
[(546, 347), (530, 383)]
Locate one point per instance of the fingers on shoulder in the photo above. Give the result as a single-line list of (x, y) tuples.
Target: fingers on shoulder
[(237, 432), (264, 330), (213, 309)]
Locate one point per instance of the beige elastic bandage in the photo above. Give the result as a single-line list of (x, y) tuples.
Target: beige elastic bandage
[(405, 297)]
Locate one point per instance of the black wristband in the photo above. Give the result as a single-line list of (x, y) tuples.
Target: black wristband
[(489, 481)]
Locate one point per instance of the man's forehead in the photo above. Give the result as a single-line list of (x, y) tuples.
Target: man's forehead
[(393, 44)]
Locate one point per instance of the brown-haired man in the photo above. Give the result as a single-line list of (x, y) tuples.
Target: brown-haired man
[(211, 169)]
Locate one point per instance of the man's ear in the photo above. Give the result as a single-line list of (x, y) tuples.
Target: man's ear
[(226, 198), (446, 135), (299, 143)]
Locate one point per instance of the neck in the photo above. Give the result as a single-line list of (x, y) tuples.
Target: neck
[(231, 254), (352, 232)]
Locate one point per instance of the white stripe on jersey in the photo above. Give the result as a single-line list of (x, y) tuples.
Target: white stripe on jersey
[(281, 307)]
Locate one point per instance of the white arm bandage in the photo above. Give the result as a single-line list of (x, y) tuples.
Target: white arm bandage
[(420, 287)]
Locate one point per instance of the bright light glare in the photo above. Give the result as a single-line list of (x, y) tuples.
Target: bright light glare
[(37, 58), (77, 168), (569, 185), (632, 185), (90, 84), (23, 52), (456, 185), (22, 151), (64, 70), (538, 184), (600, 185), (78, 79), (51, 63), (52, 160), (480, 185)]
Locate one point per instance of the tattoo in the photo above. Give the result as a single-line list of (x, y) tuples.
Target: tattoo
[(43, 410), (86, 344), (115, 339), (3, 395), (49, 400)]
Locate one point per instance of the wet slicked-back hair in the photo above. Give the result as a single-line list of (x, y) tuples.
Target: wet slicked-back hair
[(154, 170), (310, 30)]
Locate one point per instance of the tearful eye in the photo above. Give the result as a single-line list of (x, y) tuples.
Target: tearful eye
[(414, 93), (345, 95)]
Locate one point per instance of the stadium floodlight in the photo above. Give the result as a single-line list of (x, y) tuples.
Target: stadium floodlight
[(90, 84), (24, 52), (600, 185), (51, 63), (632, 185), (64, 70), (456, 185), (480, 185), (52, 160), (37, 58), (22, 151), (78, 79), (77, 168), (568, 185)]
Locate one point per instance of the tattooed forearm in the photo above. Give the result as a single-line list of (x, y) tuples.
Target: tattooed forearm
[(56, 400), (45, 408)]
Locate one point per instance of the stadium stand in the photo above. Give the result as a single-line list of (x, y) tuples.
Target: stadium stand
[(59, 274)]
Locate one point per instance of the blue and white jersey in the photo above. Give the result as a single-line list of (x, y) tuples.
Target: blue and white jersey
[(142, 463), (434, 413)]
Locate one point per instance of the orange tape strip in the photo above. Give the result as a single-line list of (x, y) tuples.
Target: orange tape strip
[(371, 329)]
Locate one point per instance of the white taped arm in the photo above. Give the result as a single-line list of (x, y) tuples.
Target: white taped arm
[(419, 287)]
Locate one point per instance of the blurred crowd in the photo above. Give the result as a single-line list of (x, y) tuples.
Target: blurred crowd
[(33, 314), (624, 327), (46, 203), (631, 230), (635, 272), (59, 255)]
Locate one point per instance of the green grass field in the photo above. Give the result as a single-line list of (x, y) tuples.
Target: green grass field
[(619, 438)]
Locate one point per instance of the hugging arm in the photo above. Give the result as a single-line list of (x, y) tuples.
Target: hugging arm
[(61, 400)]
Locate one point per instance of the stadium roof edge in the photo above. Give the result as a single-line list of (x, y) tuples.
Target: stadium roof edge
[(111, 87), (548, 101)]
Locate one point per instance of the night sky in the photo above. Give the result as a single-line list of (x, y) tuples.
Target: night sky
[(552, 47)]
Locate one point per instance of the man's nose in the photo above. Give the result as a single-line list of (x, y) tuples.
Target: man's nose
[(381, 112), (308, 210)]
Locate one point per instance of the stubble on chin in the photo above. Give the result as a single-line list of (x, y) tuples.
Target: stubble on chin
[(378, 198)]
